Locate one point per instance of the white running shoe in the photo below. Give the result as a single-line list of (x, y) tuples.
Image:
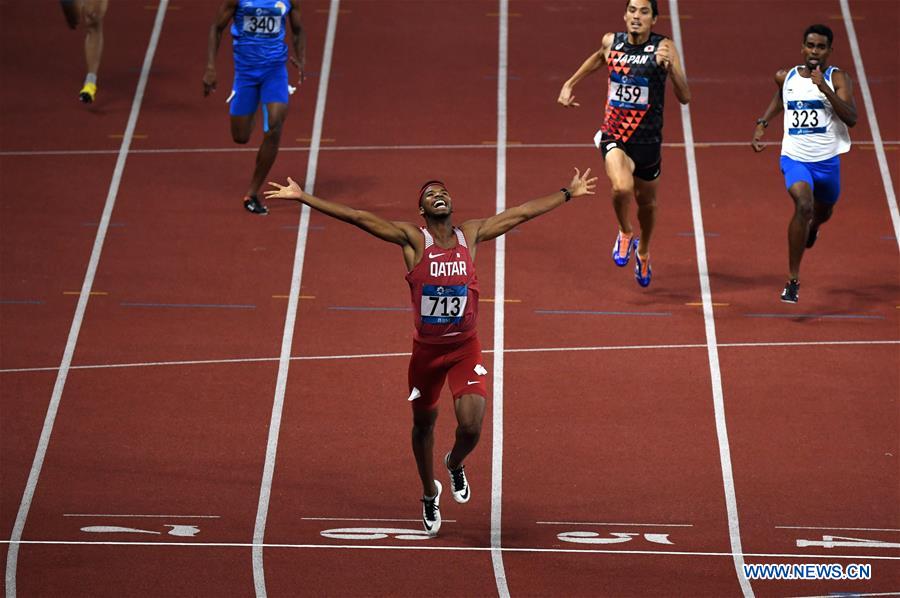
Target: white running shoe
[(459, 485), (431, 512)]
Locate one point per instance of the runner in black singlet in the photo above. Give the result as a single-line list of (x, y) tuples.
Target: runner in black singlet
[(630, 138)]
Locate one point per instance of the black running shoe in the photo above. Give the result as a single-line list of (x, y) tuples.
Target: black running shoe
[(791, 292), (431, 511), (459, 485), (812, 235), (253, 205)]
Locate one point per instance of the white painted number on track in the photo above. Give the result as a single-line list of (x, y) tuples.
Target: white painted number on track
[(845, 542), (374, 533), (184, 531), (617, 538)]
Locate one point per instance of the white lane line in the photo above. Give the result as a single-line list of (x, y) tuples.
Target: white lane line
[(853, 595), (849, 529), (873, 120), (406, 354), (499, 304), (284, 360), (615, 524), (734, 531), (25, 505), (245, 545), (378, 148), (142, 516)]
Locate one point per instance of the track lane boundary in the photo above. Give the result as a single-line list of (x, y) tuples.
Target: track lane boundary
[(499, 307), (734, 531), (12, 556), (873, 120), (284, 360)]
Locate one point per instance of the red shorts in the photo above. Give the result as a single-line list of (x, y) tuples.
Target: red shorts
[(430, 365)]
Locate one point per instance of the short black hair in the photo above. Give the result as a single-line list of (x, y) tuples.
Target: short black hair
[(819, 30), (652, 6)]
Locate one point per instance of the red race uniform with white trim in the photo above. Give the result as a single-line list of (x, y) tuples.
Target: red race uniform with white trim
[(444, 291)]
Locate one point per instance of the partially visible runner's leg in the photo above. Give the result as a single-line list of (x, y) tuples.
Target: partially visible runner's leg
[(92, 15)]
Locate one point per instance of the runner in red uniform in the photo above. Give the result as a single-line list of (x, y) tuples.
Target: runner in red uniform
[(638, 62), (439, 260)]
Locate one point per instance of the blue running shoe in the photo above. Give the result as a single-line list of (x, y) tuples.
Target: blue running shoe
[(642, 271), (626, 243)]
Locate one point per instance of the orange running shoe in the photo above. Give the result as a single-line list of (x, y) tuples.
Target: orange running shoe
[(642, 271), (623, 247)]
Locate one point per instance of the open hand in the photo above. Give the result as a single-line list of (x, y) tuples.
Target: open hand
[(290, 191), (581, 184)]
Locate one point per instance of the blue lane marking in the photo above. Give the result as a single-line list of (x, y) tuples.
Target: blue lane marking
[(353, 308), (828, 316), (600, 313), (216, 305), (21, 302)]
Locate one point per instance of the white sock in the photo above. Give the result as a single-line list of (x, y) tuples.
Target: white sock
[(90, 78)]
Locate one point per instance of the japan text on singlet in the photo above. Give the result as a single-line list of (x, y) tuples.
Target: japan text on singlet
[(637, 91), (812, 132), (258, 33), (444, 291)]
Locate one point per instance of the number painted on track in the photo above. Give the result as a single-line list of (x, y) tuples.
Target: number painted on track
[(617, 538), (116, 529), (184, 531), (374, 533), (845, 542)]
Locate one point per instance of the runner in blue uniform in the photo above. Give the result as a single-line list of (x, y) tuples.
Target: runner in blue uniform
[(260, 75)]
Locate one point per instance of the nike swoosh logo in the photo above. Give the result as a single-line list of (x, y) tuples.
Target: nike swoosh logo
[(466, 495), (434, 255), (470, 382), (427, 527)]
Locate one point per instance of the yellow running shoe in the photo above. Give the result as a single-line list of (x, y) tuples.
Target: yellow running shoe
[(87, 93)]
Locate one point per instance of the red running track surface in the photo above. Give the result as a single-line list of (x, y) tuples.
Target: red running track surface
[(606, 467)]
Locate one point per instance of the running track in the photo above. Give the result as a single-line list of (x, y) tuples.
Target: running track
[(187, 429)]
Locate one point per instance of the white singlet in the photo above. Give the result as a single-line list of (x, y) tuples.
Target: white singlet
[(812, 131)]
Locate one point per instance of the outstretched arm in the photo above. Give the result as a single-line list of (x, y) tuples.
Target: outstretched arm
[(490, 228), (223, 16), (394, 232), (772, 110), (593, 62)]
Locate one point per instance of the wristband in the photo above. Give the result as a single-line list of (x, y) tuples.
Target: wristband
[(567, 193), (763, 122)]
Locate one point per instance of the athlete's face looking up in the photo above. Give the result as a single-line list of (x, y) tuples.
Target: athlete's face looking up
[(639, 17), (436, 201), (815, 51)]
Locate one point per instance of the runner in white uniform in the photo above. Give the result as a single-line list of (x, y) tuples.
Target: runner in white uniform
[(818, 106)]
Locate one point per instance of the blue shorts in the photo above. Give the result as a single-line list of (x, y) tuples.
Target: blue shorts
[(252, 86), (824, 178)]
